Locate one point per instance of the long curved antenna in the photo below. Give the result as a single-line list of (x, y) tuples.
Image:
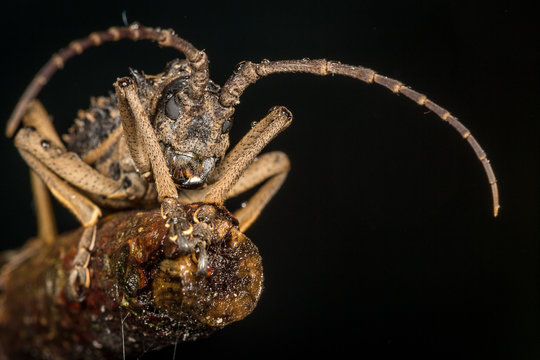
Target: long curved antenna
[(197, 60), (248, 73)]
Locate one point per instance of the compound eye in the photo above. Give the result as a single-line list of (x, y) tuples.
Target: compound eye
[(173, 108), (227, 125)]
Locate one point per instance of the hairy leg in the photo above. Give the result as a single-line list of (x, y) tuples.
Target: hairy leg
[(142, 140), (60, 171), (46, 223), (242, 155), (270, 167)]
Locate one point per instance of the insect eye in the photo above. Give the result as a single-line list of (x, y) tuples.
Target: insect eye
[(126, 183), (227, 125), (172, 108)]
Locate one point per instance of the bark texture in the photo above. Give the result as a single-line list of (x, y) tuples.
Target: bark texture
[(143, 293)]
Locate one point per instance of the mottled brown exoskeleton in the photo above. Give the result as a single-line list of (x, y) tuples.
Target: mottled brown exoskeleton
[(163, 140)]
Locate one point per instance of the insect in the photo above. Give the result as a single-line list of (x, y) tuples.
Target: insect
[(184, 126), (162, 140)]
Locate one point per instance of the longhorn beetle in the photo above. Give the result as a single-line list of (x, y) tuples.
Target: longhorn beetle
[(162, 140)]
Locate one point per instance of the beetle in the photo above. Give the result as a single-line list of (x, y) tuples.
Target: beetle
[(162, 140)]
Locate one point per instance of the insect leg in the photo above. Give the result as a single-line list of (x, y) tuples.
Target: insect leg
[(149, 159), (34, 149), (242, 155), (79, 275), (40, 139), (104, 147), (36, 117), (84, 210), (134, 137), (68, 165), (270, 167), (141, 139), (44, 212), (48, 159)]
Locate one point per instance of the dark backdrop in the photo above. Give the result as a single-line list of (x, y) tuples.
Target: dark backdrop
[(382, 240)]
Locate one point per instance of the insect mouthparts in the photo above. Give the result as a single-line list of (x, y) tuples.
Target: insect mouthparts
[(189, 170), (193, 181)]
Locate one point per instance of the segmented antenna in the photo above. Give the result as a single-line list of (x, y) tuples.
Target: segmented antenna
[(197, 60), (248, 73)]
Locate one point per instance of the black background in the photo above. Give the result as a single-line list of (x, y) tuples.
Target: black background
[(381, 241)]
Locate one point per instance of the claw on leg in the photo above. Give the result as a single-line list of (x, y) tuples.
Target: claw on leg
[(175, 221), (185, 243), (190, 231), (79, 277), (202, 259)]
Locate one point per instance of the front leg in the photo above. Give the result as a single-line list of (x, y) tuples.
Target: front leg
[(270, 168), (239, 172), (149, 159), (142, 141), (243, 154)]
